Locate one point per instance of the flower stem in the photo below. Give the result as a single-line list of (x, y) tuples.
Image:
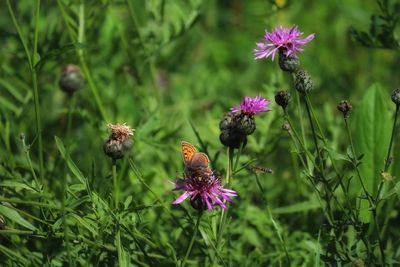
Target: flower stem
[(32, 60), (388, 161), (368, 196), (274, 223), (116, 183), (196, 229)]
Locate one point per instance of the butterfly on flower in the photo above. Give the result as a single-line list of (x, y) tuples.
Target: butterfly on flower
[(200, 184), (196, 163)]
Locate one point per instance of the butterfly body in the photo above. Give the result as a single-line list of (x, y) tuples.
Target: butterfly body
[(196, 163)]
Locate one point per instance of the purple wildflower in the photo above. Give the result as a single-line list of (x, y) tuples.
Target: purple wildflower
[(252, 106), (206, 187), (288, 40)]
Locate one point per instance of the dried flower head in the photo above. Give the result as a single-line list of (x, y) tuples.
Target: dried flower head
[(119, 141), (287, 40), (206, 188), (252, 106), (120, 132)]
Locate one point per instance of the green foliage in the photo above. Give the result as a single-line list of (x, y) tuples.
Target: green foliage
[(171, 69)]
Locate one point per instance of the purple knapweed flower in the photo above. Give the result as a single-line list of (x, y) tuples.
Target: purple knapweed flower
[(287, 40), (207, 188), (252, 106)]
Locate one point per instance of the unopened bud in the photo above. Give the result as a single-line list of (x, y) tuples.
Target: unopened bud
[(288, 63), (303, 82), (198, 204), (396, 97), (71, 79), (282, 98), (247, 124), (345, 107)]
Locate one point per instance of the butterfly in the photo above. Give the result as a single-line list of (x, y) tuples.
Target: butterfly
[(196, 163)]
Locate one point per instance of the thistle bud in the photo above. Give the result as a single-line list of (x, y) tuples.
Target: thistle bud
[(247, 124), (229, 121), (345, 107), (71, 79), (231, 133), (233, 138), (198, 204), (288, 63), (119, 141), (2, 223), (282, 98), (396, 97), (303, 82)]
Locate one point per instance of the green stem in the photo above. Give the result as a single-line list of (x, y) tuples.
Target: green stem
[(85, 68), (189, 249), (31, 61), (388, 161), (369, 198), (116, 183), (65, 183), (274, 223)]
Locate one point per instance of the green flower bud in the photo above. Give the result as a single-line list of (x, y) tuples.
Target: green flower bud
[(303, 82), (290, 63)]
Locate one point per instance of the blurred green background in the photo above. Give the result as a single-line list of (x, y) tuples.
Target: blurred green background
[(161, 66)]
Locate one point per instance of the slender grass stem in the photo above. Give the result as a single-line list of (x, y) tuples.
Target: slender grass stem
[(31, 62), (189, 249), (368, 196), (81, 56), (224, 213), (274, 223), (141, 180), (116, 183), (65, 183)]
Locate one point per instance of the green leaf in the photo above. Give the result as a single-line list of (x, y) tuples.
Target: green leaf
[(71, 165), (298, 207), (16, 217), (372, 123)]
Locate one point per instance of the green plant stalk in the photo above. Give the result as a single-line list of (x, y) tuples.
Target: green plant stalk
[(224, 213), (31, 62), (189, 249), (370, 200), (274, 223), (140, 178), (309, 176), (116, 183), (388, 155), (85, 68), (65, 184), (319, 159), (324, 140)]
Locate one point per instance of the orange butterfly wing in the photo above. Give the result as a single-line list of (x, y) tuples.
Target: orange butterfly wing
[(188, 151), (199, 160)]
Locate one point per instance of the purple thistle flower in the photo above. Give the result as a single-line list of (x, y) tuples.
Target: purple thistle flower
[(206, 187), (252, 106), (287, 40)]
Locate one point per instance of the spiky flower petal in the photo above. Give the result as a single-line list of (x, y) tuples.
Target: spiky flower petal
[(287, 40), (206, 187), (252, 106)]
